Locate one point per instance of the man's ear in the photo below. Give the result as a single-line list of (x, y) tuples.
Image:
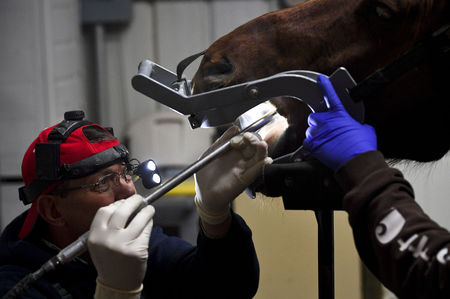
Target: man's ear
[(47, 207)]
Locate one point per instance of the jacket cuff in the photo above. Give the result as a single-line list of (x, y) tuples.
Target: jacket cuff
[(105, 292), (355, 170), (210, 218), (238, 230)]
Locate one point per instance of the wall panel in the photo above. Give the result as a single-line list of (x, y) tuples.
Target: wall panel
[(42, 75), (227, 16), (183, 29), (21, 81), (42, 72), (10, 206)]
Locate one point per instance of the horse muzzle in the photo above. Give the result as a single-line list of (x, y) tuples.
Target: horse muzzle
[(213, 74)]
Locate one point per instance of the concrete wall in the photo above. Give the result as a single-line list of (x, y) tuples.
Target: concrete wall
[(42, 75), (42, 71)]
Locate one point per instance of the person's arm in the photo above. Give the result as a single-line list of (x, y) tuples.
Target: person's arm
[(221, 181), (119, 250), (398, 242), (226, 267), (224, 262)]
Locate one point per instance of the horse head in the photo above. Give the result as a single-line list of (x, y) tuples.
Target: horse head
[(411, 115)]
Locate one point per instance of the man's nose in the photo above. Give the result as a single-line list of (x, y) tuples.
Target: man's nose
[(124, 190)]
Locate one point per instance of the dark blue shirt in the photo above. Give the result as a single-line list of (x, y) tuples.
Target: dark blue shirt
[(223, 268)]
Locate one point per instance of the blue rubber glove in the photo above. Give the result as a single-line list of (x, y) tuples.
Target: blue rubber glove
[(333, 137)]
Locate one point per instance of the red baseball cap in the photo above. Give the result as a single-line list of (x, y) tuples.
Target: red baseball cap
[(64, 151)]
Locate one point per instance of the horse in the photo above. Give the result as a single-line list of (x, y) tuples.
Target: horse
[(410, 113)]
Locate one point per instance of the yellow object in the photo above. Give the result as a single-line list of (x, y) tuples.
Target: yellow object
[(286, 244), (185, 188)]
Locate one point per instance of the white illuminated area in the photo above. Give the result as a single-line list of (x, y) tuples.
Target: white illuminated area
[(254, 114), (151, 165), (272, 130), (156, 178)]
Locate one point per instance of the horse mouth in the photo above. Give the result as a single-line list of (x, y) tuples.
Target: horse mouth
[(271, 131), (281, 134)]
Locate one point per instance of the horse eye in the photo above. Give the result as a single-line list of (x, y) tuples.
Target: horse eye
[(384, 12)]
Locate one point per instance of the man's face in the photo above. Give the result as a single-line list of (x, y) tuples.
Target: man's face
[(79, 206)]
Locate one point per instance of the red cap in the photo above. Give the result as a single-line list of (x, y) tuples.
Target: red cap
[(74, 148)]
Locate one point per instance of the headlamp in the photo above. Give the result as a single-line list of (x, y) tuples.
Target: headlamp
[(148, 173)]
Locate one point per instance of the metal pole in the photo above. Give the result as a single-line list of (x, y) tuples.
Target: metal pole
[(100, 109), (325, 229)]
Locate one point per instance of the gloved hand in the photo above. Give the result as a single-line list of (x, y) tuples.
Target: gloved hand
[(223, 179), (120, 253), (333, 137)]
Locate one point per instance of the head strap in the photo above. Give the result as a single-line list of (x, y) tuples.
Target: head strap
[(75, 170), (47, 156)]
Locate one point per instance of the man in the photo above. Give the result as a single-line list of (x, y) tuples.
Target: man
[(75, 170), (397, 241)]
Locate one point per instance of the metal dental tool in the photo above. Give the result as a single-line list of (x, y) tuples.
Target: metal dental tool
[(79, 246), (224, 105)]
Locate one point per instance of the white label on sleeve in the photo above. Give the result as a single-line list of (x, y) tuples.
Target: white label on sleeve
[(389, 227), (443, 257), (418, 249)]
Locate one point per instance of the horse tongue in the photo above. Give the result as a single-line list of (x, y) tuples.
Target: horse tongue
[(273, 130), (254, 114), (269, 131)]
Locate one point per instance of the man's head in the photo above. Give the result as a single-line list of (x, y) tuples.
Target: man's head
[(69, 171)]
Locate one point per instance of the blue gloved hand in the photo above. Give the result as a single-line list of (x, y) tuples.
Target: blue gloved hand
[(333, 137)]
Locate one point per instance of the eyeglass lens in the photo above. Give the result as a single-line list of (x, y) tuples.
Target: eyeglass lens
[(106, 182)]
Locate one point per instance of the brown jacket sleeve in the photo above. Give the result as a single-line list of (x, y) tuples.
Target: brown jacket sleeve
[(399, 243)]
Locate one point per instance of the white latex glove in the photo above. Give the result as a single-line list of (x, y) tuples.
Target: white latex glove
[(222, 180), (120, 253)]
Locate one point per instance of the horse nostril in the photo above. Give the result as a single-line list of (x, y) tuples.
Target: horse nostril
[(221, 67)]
